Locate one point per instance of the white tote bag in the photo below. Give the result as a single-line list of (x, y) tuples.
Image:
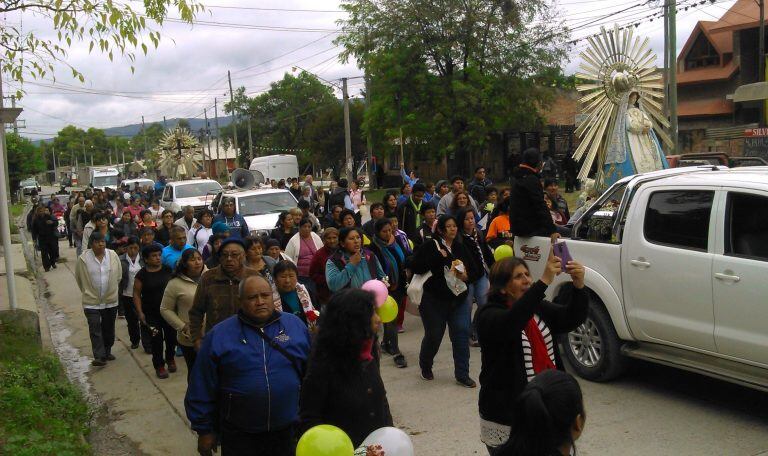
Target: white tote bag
[(416, 291)]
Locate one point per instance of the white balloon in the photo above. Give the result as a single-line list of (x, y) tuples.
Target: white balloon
[(393, 441)]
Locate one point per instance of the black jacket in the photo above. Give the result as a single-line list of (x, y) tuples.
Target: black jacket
[(428, 258), (356, 403), (476, 265), (45, 228), (528, 213), (406, 218), (502, 372)]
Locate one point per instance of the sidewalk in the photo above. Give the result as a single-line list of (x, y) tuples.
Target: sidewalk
[(146, 410)]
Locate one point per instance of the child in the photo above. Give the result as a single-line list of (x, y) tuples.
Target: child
[(429, 214)]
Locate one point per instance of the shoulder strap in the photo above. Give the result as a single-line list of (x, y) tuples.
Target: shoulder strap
[(297, 364)]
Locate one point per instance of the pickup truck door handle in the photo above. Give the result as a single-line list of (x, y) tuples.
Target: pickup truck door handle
[(640, 263), (727, 277)]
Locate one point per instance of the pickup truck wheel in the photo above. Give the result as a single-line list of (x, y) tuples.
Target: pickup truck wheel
[(594, 349)]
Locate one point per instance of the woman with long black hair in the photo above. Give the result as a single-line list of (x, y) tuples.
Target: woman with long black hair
[(284, 229), (444, 300), (481, 260), (517, 330), (177, 300), (549, 417), (343, 385), (392, 253)]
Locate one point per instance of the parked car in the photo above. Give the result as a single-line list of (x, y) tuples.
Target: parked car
[(713, 158), (259, 206), (676, 264), (28, 185), (197, 193)]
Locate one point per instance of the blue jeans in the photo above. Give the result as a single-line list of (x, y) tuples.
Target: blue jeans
[(435, 315), (477, 291)]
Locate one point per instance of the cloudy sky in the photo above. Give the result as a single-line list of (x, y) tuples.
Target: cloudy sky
[(258, 41)]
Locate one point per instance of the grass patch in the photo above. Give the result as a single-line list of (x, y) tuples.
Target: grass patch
[(16, 209), (41, 413)]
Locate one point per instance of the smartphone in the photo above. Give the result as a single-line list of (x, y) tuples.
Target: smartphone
[(561, 251)]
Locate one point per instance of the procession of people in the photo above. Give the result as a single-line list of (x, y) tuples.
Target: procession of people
[(278, 332)]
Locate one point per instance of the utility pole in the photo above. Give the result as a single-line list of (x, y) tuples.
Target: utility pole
[(216, 124), (250, 143), (144, 133), (16, 122), (672, 49), (165, 124), (368, 138), (53, 157), (85, 158), (207, 136), (665, 9), (761, 57), (347, 133), (6, 116), (234, 114)]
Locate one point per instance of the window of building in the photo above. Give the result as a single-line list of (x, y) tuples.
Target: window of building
[(702, 54), (679, 218), (746, 230)]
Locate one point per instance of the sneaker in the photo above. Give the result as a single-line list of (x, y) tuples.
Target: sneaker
[(172, 366), (426, 374), (400, 361), (161, 372), (99, 362), (121, 316), (134, 346), (53, 265), (110, 357), (400, 329), (466, 382), (179, 352)]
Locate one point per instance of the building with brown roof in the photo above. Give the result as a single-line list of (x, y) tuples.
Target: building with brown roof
[(718, 57)]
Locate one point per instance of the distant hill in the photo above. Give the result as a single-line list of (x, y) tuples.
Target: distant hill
[(134, 129)]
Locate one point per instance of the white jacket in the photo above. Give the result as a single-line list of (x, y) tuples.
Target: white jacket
[(294, 245)]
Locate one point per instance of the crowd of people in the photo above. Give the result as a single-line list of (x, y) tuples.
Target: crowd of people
[(278, 337)]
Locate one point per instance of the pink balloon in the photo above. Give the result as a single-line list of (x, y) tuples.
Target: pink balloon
[(378, 289)]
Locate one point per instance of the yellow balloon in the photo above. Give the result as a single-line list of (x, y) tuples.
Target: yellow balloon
[(387, 311), (503, 251), (325, 440), (410, 244)]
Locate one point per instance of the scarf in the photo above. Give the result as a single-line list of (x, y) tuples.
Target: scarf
[(365, 350), (474, 238), (539, 352), (418, 210)]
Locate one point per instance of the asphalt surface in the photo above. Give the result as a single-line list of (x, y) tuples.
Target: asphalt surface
[(652, 410)]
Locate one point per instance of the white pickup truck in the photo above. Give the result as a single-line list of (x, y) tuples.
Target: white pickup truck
[(677, 268)]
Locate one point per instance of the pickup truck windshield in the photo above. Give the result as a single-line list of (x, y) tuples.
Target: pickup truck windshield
[(104, 181), (265, 204), (196, 189)]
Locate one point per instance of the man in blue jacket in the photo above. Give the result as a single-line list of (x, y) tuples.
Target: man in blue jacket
[(244, 388), (238, 228)]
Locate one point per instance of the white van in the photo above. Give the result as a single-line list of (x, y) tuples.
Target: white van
[(104, 178), (276, 166)]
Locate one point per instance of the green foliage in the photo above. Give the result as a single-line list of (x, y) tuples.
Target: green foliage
[(154, 134), (451, 73), (41, 413), (324, 134), (72, 143), (293, 114), (24, 159), (115, 28)]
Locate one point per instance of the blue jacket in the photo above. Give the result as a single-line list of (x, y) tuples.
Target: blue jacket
[(239, 381), (238, 228), (171, 255)]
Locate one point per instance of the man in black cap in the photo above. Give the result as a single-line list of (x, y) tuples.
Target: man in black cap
[(216, 298)]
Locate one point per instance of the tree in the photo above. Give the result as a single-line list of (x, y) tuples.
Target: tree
[(115, 28), (324, 134), (280, 116), (451, 73), (24, 159)]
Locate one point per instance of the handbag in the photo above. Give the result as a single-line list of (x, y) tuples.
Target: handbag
[(416, 292)]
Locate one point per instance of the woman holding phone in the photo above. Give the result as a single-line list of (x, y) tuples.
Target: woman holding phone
[(517, 329)]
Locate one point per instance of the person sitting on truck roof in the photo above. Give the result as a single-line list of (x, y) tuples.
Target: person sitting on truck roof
[(238, 228)]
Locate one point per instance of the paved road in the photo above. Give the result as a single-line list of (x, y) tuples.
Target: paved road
[(654, 410)]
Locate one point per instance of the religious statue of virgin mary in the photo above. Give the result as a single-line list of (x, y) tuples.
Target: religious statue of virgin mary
[(622, 103)]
